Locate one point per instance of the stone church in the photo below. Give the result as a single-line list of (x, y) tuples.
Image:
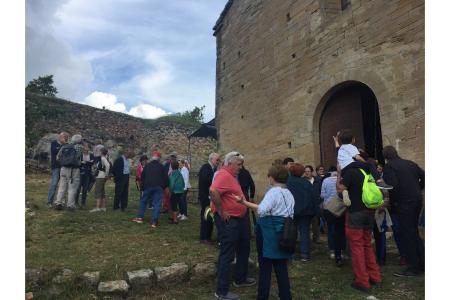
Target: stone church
[(291, 73)]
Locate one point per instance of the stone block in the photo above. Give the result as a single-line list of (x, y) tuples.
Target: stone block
[(204, 270), (65, 275), (174, 273), (90, 279), (33, 277), (113, 287), (140, 278), (29, 296)]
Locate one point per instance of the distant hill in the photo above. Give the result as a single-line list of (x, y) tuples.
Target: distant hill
[(47, 116)]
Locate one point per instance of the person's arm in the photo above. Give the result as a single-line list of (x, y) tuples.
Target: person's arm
[(389, 176), (215, 198), (359, 158), (241, 199)]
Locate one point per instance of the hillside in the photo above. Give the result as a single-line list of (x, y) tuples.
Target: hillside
[(47, 116)]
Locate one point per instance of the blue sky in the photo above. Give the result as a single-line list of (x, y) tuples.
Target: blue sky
[(142, 57)]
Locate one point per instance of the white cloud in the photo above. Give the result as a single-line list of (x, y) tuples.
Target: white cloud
[(109, 101), (47, 54), (147, 111)]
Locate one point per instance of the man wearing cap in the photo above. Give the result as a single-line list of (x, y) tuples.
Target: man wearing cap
[(154, 180), (231, 218)]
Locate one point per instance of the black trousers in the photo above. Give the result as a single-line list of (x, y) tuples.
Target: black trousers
[(408, 214), (337, 226), (121, 192), (206, 227)]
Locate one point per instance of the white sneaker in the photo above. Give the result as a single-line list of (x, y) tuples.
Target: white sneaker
[(332, 256), (179, 216), (183, 218), (103, 209), (346, 198), (94, 210)]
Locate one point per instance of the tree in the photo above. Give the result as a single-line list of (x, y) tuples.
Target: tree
[(194, 115), (42, 85)]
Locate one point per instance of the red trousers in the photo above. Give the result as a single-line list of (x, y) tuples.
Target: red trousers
[(364, 263), (166, 201)]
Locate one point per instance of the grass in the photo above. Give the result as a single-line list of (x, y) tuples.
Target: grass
[(110, 243)]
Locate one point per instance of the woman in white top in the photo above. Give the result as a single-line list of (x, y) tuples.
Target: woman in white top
[(103, 167), (183, 201), (277, 204)]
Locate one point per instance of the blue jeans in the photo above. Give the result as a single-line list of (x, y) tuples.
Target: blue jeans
[(234, 241), (85, 179), (304, 224), (53, 185), (155, 193)]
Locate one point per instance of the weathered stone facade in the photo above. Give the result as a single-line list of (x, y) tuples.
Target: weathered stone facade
[(46, 117), (279, 62)]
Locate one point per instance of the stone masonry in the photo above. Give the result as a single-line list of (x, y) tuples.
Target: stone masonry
[(278, 60), (47, 116)]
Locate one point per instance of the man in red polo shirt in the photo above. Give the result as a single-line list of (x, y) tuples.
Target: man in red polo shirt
[(232, 221)]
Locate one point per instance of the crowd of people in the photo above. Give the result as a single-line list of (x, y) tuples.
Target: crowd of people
[(328, 201)]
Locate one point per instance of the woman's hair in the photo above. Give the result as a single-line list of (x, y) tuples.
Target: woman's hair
[(104, 151), (297, 169), (143, 157), (278, 173), (389, 153), (76, 138), (174, 164)]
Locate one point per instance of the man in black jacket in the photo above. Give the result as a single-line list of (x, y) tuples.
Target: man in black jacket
[(408, 180), (55, 145), (154, 180), (121, 173), (316, 182), (205, 177)]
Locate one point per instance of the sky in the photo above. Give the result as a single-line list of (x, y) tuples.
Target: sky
[(146, 58)]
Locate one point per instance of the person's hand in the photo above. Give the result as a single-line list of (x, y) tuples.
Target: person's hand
[(224, 215), (336, 138), (239, 199)]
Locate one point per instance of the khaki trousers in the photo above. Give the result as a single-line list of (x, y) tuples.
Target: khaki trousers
[(69, 180)]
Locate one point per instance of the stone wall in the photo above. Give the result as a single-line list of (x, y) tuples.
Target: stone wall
[(46, 117), (278, 60)]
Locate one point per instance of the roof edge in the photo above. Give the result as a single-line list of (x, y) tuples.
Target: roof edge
[(219, 21)]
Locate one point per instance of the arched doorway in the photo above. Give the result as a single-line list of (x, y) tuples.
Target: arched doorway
[(352, 105)]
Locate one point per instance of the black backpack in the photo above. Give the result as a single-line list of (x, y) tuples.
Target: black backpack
[(68, 156)]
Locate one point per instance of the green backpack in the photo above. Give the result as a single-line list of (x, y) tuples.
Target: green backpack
[(371, 194)]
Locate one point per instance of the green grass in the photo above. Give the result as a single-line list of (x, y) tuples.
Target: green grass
[(110, 243)]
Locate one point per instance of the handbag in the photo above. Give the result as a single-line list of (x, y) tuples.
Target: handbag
[(335, 206), (288, 237)]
